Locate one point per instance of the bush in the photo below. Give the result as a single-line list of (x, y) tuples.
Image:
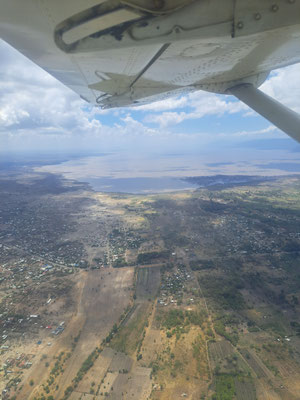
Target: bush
[(69, 390)]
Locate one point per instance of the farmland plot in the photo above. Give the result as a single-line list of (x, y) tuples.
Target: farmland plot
[(245, 390), (220, 350), (148, 282), (255, 363)]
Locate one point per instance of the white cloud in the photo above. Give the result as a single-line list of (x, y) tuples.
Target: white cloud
[(167, 104), (33, 101), (265, 132), (132, 127), (284, 86), (200, 104)]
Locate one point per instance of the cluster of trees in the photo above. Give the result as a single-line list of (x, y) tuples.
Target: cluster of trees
[(296, 326), (198, 265), (148, 258), (120, 263), (113, 331), (225, 387), (175, 318), (220, 328), (226, 292)]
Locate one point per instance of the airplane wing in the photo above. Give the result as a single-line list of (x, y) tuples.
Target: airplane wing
[(126, 52)]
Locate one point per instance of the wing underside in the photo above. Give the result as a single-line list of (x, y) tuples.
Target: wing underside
[(105, 50)]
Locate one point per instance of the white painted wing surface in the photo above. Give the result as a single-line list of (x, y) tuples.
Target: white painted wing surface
[(99, 48), (122, 52)]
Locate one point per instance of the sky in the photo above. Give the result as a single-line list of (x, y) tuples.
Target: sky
[(39, 114)]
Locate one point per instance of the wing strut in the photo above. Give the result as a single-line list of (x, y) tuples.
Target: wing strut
[(282, 117), (152, 61)]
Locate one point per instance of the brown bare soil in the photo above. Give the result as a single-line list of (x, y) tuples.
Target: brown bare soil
[(102, 296)]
